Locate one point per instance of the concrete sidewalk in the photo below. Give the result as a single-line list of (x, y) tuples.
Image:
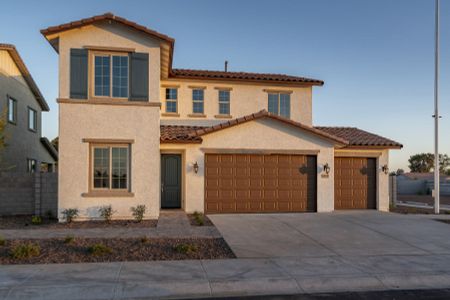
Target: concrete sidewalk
[(169, 279)]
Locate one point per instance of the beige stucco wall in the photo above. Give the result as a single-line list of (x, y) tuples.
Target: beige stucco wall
[(10, 69), (259, 134), (79, 121), (108, 35), (245, 99), (382, 157)]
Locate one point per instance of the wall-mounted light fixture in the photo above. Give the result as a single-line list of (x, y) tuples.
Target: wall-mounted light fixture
[(385, 169), (326, 168), (195, 166)]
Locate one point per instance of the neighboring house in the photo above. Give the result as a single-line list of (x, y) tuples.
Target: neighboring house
[(23, 103), (133, 130)]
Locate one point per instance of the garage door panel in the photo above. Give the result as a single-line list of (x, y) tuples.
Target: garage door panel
[(260, 183), (355, 183)]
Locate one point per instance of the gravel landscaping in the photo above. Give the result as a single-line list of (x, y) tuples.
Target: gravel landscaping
[(199, 220), (24, 222), (414, 210), (78, 250)]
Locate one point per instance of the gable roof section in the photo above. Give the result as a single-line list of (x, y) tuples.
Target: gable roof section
[(49, 147), (360, 138), (191, 134), (26, 75), (242, 76)]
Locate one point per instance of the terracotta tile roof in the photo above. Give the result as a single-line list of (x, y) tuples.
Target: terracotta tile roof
[(360, 138), (179, 134), (242, 76), (192, 134), (106, 16), (26, 74)]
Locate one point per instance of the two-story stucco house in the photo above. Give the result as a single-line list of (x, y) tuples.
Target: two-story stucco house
[(22, 104), (133, 130)]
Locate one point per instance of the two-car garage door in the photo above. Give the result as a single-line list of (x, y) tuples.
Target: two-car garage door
[(239, 183)]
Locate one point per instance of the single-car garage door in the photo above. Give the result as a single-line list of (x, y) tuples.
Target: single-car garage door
[(355, 183), (241, 183)]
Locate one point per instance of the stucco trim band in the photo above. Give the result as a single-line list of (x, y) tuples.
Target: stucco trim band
[(107, 141), (109, 101)]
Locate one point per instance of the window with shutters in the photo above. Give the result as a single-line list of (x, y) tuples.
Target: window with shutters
[(279, 104), (110, 74)]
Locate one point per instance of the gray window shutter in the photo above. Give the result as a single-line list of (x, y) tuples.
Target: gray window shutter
[(138, 76), (78, 73)]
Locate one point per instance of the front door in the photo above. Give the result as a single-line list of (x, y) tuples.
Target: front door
[(170, 181)]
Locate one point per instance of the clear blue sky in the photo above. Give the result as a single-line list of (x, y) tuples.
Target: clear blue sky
[(376, 57)]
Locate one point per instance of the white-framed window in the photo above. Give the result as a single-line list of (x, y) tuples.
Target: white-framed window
[(171, 100), (110, 167), (198, 98), (224, 102), (31, 165), (12, 110), (111, 73), (280, 104), (32, 119)]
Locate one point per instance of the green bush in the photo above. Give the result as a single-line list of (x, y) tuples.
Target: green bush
[(69, 239), (186, 248), (199, 219), (22, 251), (70, 214), (2, 241), (99, 249), (138, 212), (36, 220), (106, 212)]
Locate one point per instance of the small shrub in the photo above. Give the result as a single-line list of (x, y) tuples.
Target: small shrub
[(69, 239), (70, 214), (186, 248), (106, 212), (199, 219), (138, 212), (25, 251), (144, 240), (99, 249), (2, 241), (36, 220)]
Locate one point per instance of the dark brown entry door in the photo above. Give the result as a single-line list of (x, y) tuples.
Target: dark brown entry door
[(241, 183), (355, 183), (170, 181)]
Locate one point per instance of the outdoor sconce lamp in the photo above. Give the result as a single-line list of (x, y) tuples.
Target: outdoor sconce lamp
[(385, 169), (326, 168), (195, 166)]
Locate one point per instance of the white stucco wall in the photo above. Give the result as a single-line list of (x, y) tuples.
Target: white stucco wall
[(382, 157), (81, 121), (245, 99), (259, 134)]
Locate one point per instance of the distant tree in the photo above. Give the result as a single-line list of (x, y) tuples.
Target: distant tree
[(400, 172), (55, 143), (424, 162)]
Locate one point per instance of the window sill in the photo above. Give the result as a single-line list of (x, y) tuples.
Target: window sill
[(98, 194), (223, 116), (109, 101), (168, 114), (197, 115)]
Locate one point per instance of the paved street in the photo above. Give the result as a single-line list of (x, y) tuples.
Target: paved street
[(278, 254)]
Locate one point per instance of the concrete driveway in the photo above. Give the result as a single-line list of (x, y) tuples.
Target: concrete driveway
[(347, 234)]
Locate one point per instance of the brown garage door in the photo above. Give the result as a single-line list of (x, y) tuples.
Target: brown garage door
[(354, 183), (240, 183)]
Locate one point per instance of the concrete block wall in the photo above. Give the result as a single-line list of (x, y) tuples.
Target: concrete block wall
[(28, 194)]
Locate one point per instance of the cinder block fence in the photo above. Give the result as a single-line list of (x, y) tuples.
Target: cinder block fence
[(28, 194)]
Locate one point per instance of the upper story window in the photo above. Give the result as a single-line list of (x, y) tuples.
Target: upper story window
[(280, 104), (171, 100), (31, 165), (32, 119), (111, 75), (198, 101), (224, 102), (12, 110), (110, 167)]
